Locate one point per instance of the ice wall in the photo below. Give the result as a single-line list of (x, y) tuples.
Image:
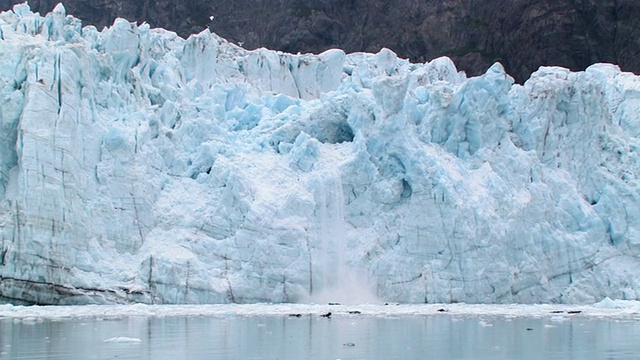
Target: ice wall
[(136, 166)]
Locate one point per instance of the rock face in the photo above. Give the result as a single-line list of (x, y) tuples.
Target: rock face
[(521, 34)]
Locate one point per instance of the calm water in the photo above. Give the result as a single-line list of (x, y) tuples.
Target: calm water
[(312, 337)]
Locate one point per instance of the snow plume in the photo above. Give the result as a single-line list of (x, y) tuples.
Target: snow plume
[(137, 166)]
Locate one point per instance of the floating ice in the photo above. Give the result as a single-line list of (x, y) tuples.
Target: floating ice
[(626, 311), (136, 166), (607, 303), (123, 340)]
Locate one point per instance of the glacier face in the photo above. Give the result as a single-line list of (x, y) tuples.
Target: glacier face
[(136, 166)]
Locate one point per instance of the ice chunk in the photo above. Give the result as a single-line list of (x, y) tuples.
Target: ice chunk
[(607, 303), (123, 340)]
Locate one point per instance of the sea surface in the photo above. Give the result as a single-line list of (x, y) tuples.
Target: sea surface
[(351, 332)]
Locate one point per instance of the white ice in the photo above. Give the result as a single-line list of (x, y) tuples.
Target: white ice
[(623, 310), (137, 166), (123, 340)]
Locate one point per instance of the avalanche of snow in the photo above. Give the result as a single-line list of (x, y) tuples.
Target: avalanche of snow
[(137, 166)]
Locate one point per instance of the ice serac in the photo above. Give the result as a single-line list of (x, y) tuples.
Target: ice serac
[(137, 166)]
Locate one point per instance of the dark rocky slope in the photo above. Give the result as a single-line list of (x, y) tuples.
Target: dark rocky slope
[(522, 34)]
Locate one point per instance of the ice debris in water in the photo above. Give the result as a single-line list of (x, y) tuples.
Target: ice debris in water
[(123, 340)]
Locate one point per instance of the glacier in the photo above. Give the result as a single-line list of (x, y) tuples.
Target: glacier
[(140, 167)]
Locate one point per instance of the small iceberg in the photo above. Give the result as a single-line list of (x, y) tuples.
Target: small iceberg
[(122, 340), (607, 303)]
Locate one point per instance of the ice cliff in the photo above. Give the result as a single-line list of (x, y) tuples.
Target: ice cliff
[(136, 166)]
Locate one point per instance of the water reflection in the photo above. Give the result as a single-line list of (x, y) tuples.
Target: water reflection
[(312, 337)]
